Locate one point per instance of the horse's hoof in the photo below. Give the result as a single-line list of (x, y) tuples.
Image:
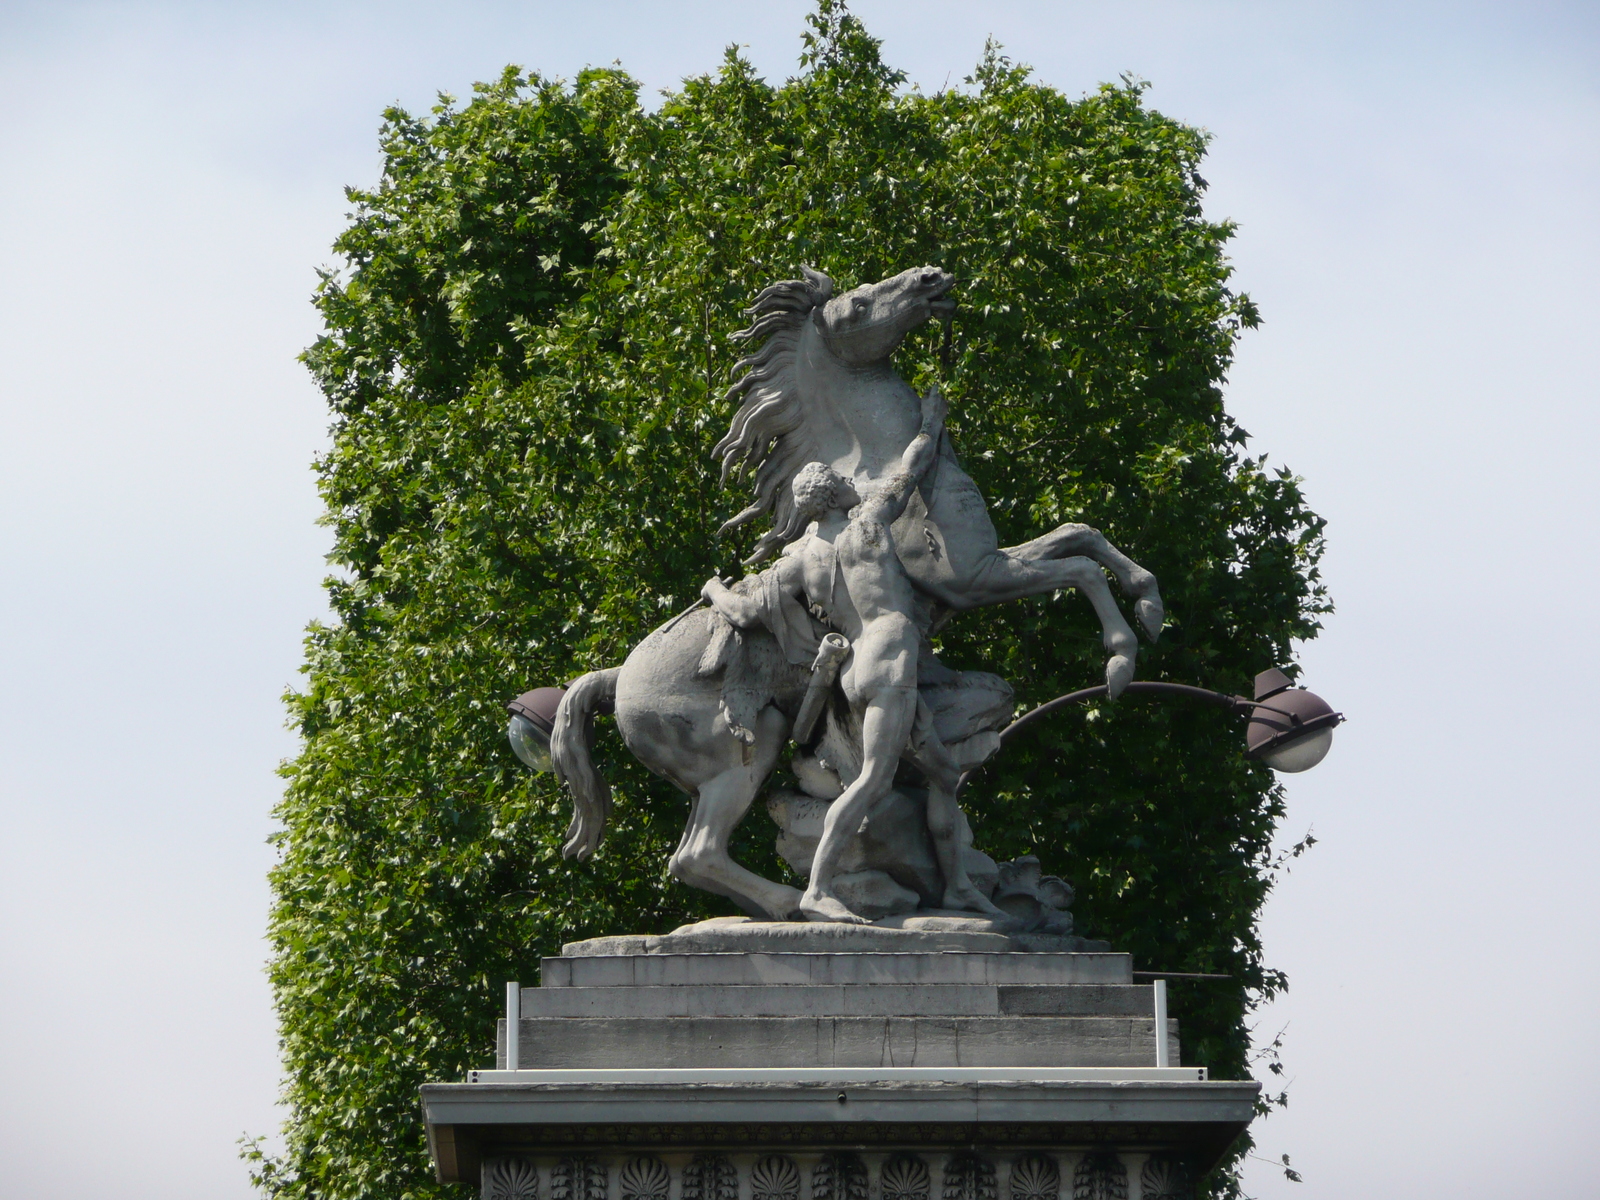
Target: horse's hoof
[(1119, 674), (1151, 614), (786, 908)]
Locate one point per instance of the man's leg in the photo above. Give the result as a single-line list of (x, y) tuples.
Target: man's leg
[(885, 726)]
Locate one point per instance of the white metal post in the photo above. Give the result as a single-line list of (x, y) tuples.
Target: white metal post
[(514, 1026), (1161, 1022)]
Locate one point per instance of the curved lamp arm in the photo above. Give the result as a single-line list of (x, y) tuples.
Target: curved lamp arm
[(1291, 725)]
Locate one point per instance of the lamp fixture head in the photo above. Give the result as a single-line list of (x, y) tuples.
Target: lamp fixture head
[(533, 719), (1291, 729)]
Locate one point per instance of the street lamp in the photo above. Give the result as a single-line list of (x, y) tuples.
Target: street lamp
[(1290, 729), (533, 717)]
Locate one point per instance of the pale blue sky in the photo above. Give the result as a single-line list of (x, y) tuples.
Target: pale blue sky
[(1417, 188)]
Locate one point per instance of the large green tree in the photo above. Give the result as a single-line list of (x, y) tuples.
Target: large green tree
[(525, 353)]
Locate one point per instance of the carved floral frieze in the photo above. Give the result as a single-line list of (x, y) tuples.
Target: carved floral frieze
[(822, 1174)]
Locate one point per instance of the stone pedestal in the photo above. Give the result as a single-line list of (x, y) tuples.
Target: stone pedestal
[(915, 1074)]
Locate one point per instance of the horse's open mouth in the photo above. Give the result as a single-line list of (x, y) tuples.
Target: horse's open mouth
[(942, 307)]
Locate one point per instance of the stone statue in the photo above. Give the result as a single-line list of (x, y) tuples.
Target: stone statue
[(849, 570), (883, 537)]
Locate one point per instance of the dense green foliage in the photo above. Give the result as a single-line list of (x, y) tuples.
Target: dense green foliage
[(525, 356)]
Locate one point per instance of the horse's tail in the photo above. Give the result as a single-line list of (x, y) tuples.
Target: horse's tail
[(570, 742)]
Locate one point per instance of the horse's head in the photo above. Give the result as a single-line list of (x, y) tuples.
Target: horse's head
[(776, 430), (867, 325)]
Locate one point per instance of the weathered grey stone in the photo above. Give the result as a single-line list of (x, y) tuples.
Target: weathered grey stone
[(838, 1000), (893, 839), (1084, 999), (839, 561), (1033, 899), (874, 894), (898, 1141), (590, 966), (834, 1069), (712, 709), (999, 1041), (828, 1059), (914, 933)]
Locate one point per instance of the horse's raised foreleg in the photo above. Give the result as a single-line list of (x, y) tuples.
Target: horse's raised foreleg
[(1067, 541), (702, 858), (1001, 577)]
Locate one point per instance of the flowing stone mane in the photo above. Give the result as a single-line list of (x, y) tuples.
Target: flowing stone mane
[(771, 434)]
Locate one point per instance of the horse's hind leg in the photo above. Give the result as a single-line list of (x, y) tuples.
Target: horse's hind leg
[(1067, 541), (702, 858)]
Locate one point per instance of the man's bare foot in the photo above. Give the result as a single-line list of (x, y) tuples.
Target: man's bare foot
[(818, 907), (970, 899)]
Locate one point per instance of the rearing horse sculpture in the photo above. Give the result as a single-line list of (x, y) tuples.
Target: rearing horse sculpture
[(820, 388)]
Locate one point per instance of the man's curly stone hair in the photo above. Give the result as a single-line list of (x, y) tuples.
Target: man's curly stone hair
[(814, 488)]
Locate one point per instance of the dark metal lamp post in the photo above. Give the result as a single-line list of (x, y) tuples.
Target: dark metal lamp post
[(1290, 729)]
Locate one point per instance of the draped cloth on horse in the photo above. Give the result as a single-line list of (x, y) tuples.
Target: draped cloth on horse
[(957, 705), (753, 669)]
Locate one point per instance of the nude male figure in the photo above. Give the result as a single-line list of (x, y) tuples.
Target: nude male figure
[(849, 568)]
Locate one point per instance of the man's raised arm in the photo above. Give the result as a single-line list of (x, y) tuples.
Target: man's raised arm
[(889, 500)]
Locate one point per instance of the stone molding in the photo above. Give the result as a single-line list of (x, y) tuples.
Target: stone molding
[(878, 1134)]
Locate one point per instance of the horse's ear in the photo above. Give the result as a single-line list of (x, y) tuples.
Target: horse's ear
[(820, 285)]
